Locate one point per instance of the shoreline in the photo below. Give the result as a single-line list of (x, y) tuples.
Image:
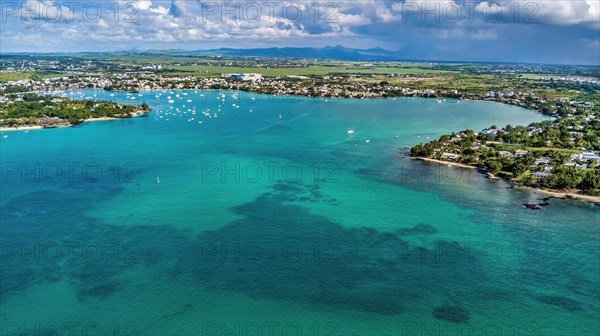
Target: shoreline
[(30, 128), (472, 99), (447, 163), (21, 128), (100, 119), (559, 194)]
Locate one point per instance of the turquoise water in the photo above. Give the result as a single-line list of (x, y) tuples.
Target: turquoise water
[(271, 219)]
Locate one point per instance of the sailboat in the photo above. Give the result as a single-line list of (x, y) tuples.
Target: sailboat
[(157, 180)]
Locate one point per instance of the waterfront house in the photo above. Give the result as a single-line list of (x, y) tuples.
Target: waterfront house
[(520, 153), (450, 156)]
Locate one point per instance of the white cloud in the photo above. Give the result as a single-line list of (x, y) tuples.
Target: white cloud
[(558, 12), (183, 21)]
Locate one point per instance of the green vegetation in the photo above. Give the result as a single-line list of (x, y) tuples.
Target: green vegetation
[(15, 76), (50, 111), (547, 154)]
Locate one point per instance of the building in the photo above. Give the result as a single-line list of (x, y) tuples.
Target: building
[(542, 160), (491, 131), (541, 174), (520, 153), (450, 156), (244, 77), (585, 156)]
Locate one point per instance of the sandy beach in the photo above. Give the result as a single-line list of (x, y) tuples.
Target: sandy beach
[(100, 119), (453, 164), (23, 128)]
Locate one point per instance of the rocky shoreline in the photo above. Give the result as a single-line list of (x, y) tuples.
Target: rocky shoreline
[(549, 194)]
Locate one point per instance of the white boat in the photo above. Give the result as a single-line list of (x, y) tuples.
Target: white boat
[(350, 131), (157, 180)]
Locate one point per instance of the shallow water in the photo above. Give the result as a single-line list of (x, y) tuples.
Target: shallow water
[(271, 219)]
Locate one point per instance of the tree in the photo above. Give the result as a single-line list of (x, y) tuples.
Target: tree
[(493, 166), (591, 182)]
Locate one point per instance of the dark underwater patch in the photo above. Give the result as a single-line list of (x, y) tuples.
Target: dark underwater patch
[(419, 229), (277, 250), (452, 314), (294, 255), (560, 301), (98, 290)]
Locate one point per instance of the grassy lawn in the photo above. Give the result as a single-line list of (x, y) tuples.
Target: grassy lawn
[(563, 150), (14, 76)]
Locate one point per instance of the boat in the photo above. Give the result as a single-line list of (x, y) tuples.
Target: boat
[(350, 131), (280, 117), (157, 180)]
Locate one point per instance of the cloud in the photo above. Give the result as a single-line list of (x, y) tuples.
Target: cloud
[(248, 23), (561, 13), (50, 11)]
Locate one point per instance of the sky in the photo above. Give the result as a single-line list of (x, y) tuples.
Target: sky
[(557, 32)]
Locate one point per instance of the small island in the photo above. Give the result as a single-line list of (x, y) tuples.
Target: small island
[(33, 111)]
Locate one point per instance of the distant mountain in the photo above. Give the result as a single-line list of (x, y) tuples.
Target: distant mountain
[(329, 52)]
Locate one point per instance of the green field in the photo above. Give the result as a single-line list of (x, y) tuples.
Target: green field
[(211, 71), (15, 76)]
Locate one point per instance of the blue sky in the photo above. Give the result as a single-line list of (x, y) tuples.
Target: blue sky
[(502, 30)]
